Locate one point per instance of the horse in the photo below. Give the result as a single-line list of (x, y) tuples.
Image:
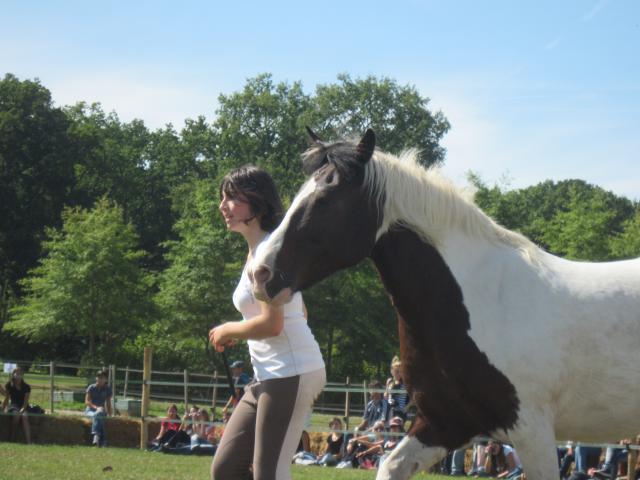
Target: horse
[(497, 336)]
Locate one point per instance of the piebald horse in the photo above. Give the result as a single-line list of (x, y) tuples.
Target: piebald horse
[(497, 337)]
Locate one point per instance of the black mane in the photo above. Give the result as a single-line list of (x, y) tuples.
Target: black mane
[(343, 155)]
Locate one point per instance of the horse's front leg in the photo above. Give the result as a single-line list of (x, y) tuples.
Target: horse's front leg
[(535, 443), (409, 457)]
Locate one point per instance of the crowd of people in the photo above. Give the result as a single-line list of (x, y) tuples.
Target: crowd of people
[(379, 431)]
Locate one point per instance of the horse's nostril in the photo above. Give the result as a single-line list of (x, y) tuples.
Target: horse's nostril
[(262, 274)]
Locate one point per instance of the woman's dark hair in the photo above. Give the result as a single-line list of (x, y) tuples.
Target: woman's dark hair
[(259, 189), (12, 379), (498, 460)]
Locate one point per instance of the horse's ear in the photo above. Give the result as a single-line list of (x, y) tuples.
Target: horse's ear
[(315, 139), (366, 146)]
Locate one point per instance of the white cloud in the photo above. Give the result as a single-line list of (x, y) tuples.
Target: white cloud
[(527, 149), (599, 5), (153, 100)]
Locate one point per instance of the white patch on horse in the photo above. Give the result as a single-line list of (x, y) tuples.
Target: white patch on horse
[(409, 457), (266, 253), (430, 204)]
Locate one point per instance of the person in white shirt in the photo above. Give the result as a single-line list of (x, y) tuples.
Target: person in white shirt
[(503, 461), (289, 372)]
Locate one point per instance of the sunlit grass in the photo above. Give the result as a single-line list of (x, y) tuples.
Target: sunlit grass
[(37, 462)]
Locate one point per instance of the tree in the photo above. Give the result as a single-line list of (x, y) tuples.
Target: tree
[(204, 265), (88, 285), (36, 176), (570, 218), (263, 124), (354, 322), (627, 243), (398, 114)]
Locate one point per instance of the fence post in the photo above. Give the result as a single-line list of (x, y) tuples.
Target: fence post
[(126, 381), (52, 369), (186, 390), (632, 459), (146, 393), (214, 396), (347, 404), (114, 388), (364, 395)]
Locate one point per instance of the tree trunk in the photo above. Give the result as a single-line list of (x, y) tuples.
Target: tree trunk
[(92, 345), (329, 353)]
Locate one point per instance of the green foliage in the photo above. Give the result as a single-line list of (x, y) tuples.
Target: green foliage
[(352, 319), (263, 124), (627, 243), (89, 284), (204, 265), (570, 218), (398, 114), (36, 176)]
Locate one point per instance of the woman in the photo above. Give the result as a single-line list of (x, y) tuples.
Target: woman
[(168, 427), (335, 441), (397, 400), (16, 402), (202, 440), (502, 461), (265, 427)]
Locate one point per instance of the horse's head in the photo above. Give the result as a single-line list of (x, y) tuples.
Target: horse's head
[(331, 224)]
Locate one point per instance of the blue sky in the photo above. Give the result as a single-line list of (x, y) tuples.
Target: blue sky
[(533, 90)]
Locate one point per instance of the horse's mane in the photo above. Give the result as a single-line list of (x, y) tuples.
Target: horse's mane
[(430, 204)]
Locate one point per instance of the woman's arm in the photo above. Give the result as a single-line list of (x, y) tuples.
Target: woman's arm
[(269, 323), (375, 449), (87, 401), (161, 432), (511, 465)]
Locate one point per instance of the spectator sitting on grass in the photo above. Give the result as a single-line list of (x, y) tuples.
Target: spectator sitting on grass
[(502, 461), (377, 408), (168, 427), (371, 449), (16, 402), (361, 443), (335, 445), (240, 380), (98, 402), (182, 436), (203, 437)]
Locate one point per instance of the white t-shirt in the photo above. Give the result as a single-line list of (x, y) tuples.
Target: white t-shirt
[(293, 352), (506, 449)]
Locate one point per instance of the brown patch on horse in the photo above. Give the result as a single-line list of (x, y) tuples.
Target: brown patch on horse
[(458, 392)]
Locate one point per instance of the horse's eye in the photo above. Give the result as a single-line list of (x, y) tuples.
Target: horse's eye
[(329, 178)]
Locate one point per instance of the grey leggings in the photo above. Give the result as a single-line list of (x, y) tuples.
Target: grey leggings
[(265, 428)]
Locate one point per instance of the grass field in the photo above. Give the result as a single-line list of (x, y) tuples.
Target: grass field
[(81, 463)]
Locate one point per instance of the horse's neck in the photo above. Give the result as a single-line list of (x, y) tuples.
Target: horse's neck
[(416, 276), (451, 379)]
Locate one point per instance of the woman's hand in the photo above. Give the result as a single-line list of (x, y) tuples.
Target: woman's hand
[(219, 338)]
